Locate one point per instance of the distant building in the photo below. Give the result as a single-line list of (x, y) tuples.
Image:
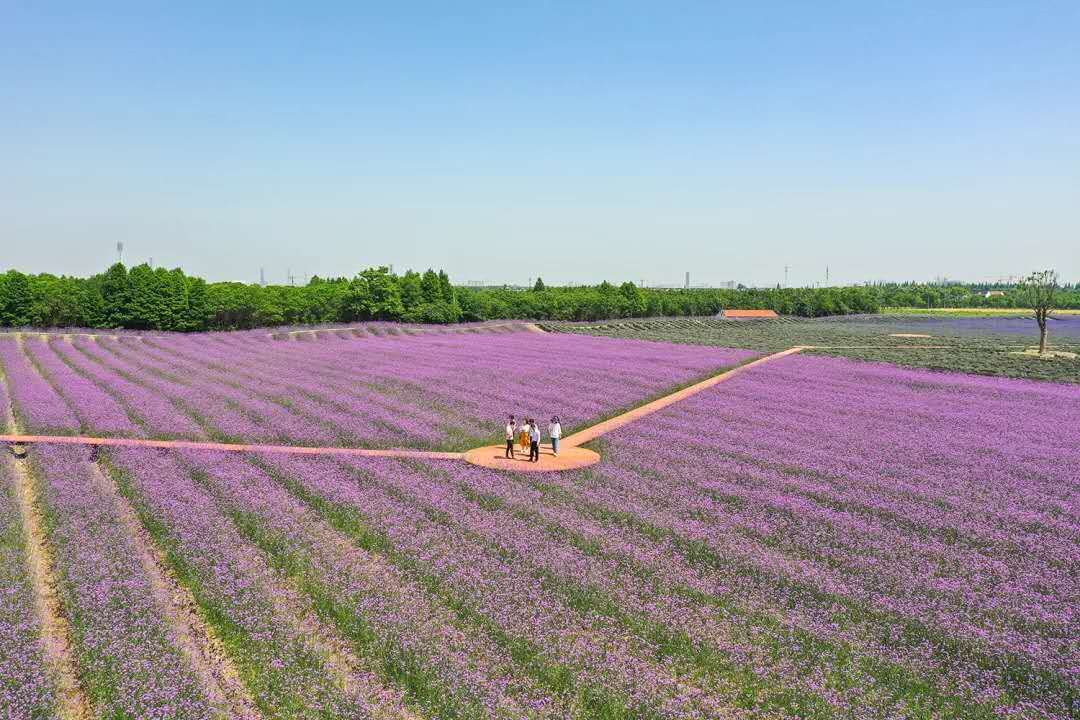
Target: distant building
[(994, 293), (746, 314)]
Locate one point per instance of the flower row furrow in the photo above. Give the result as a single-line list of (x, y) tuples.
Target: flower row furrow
[(127, 655), (39, 408), (965, 538), (544, 588), (98, 411), (242, 596), (385, 614), (27, 689), (153, 413)]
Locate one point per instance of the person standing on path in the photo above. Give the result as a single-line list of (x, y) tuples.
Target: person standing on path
[(555, 433), (511, 428), (534, 441), (523, 436)]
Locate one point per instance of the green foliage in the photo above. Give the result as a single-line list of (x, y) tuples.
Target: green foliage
[(606, 302), (374, 295), (116, 296), (158, 299), (15, 299)]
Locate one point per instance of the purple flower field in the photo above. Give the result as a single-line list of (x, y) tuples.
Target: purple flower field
[(817, 537), (430, 391), (1062, 327)]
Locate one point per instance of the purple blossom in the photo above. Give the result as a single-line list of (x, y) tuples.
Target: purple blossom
[(127, 655), (99, 412), (34, 401)]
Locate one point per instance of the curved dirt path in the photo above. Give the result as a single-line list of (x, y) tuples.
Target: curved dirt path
[(591, 433)]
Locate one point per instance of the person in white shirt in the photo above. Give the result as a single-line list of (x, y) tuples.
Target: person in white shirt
[(511, 430), (534, 441), (555, 433)]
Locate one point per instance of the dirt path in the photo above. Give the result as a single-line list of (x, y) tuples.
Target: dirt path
[(591, 433), (225, 447), (196, 640)]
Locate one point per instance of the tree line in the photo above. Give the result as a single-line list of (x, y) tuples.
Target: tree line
[(146, 298)]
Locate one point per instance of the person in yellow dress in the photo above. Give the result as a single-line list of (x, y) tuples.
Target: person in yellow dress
[(523, 436)]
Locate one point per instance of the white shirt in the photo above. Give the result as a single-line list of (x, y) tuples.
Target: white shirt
[(555, 430), (509, 431)]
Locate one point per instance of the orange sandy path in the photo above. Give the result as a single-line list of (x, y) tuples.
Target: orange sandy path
[(569, 458), (591, 433), (228, 447)]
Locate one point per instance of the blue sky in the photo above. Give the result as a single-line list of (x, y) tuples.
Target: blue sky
[(577, 141)]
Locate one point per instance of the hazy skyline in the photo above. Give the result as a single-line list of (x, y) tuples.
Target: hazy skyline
[(573, 141)]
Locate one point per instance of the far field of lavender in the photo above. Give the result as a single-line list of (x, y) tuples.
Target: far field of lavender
[(983, 345), (817, 537), (449, 392)]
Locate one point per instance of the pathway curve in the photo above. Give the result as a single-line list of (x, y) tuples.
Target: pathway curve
[(595, 431)]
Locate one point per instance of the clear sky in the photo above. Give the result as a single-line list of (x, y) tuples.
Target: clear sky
[(573, 140)]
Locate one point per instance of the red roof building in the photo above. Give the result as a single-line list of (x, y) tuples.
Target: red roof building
[(743, 314)]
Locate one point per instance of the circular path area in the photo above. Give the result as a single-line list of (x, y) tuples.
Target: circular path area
[(569, 458)]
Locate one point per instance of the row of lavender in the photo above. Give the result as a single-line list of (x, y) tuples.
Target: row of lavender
[(914, 557), (816, 538), (922, 530), (452, 607), (26, 688), (228, 536), (430, 391)]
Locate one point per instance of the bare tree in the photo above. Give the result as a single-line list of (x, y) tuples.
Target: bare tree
[(1038, 290)]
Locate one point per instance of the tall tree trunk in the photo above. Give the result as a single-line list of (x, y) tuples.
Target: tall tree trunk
[(1042, 338)]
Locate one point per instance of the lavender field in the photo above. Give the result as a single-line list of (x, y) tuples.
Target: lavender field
[(437, 391), (816, 537)]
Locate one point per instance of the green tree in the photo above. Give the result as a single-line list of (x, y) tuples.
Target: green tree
[(429, 287), (1039, 291), (116, 295), (16, 297), (197, 316), (538, 286), (446, 290), (635, 299), (57, 301), (148, 306), (373, 295), (411, 292)]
